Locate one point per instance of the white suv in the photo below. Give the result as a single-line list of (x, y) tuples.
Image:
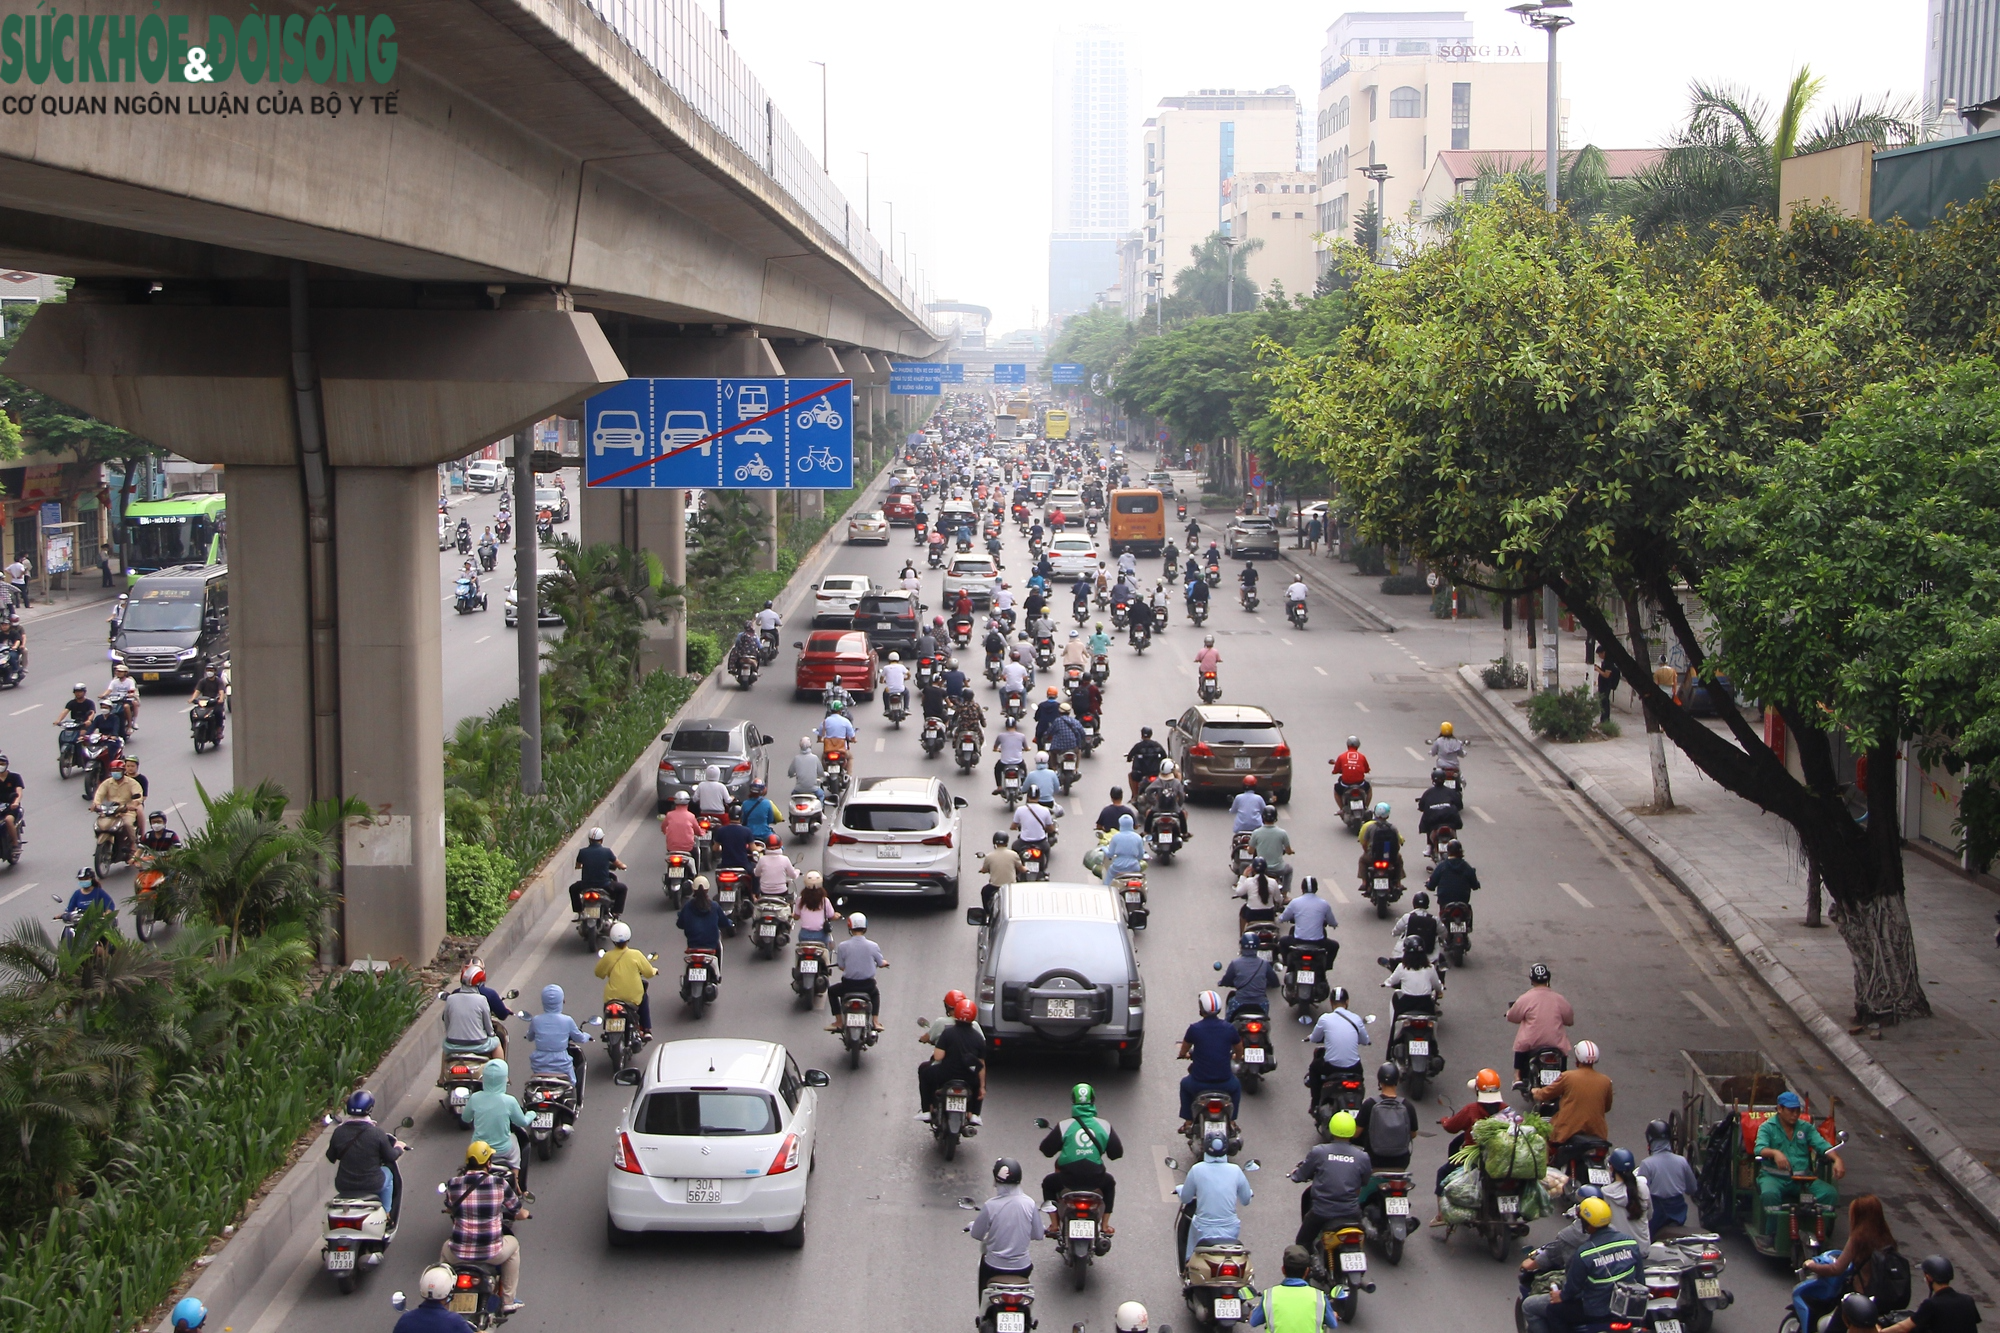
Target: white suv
[(484, 474), (896, 835), (1073, 555), (719, 1136), (974, 574)]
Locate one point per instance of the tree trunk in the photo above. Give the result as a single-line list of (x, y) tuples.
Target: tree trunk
[(1663, 792), (1877, 933)]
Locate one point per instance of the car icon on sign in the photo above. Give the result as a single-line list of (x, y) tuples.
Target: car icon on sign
[(618, 430), (753, 435), (684, 428)]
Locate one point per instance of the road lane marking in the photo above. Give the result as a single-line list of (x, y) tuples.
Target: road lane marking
[(1413, 754), (1481, 813), (1282, 639), (1320, 669), (1338, 894), (880, 741), (1706, 1008), (1362, 706), (32, 707), (1570, 889), (481, 639), (18, 892)]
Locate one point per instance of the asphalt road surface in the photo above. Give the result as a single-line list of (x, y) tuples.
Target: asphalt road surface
[(68, 645), (884, 1248)]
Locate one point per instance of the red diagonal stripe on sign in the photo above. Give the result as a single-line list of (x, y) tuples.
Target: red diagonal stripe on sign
[(675, 453)]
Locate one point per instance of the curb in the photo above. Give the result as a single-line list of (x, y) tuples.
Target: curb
[(1953, 1160), (290, 1215), (1368, 612)]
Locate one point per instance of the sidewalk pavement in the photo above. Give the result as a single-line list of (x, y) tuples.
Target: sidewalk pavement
[(89, 590), (1743, 866)]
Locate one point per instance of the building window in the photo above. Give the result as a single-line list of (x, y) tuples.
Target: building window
[(1406, 103), (1409, 48), (1262, 188), (1228, 149), (1461, 115), (1298, 215), (1276, 216), (1371, 103)]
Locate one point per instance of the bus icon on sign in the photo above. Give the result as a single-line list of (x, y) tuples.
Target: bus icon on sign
[(752, 400)]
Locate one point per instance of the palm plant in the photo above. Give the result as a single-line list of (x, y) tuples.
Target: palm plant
[(248, 871), (730, 532), (1724, 162), (1584, 187)]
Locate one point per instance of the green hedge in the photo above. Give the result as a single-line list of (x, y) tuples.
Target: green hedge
[(477, 882), (1404, 585), (1563, 715), (186, 1170), (704, 651)]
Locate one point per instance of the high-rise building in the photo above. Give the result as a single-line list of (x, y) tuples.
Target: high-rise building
[(1192, 146), (1091, 197), (1399, 88), (1962, 61)]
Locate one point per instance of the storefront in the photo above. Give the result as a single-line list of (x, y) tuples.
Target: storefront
[(51, 499)]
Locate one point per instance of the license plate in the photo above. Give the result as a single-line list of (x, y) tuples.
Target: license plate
[(697, 974), (545, 1120), (808, 965), (1264, 954), (1510, 1204), (1010, 1321), (857, 1020), (1229, 1307), (1167, 837), (1708, 1288), (1307, 978), (889, 851), (149, 675), (614, 1025), (1396, 1206), (1599, 1176), (1082, 1228), (728, 897), (704, 1191), (1134, 897), (465, 1302), (340, 1261), (1058, 1008), (1667, 1326), (1545, 1077), (1457, 928), (1253, 1055), (1243, 763), (1381, 884), (1424, 1048), (765, 930), (592, 913), (954, 1103), (1353, 1261)]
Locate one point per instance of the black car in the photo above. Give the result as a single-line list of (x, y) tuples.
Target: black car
[(890, 620)]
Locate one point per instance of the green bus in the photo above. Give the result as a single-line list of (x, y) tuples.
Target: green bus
[(187, 530)]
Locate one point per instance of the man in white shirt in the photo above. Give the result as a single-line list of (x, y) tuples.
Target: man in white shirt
[(1013, 676), (1296, 592), (710, 796), (895, 679), (123, 692), (1034, 825), (1012, 747)]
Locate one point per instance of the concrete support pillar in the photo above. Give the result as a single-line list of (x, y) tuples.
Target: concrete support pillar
[(768, 502), (391, 706), (270, 631), (660, 526)]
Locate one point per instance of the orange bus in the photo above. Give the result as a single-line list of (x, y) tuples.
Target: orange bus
[(1138, 522)]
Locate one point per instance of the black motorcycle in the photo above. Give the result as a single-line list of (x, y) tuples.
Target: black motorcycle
[(205, 724)]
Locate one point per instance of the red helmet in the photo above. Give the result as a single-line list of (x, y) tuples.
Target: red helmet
[(1250, 781), (965, 1011), (952, 999), (472, 974)]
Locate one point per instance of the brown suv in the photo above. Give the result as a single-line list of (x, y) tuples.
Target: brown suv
[(1216, 746)]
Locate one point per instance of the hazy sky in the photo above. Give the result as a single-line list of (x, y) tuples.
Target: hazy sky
[(951, 99)]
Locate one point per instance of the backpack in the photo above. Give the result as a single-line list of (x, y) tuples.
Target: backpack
[(1390, 1136), (1424, 928), (1889, 1280)]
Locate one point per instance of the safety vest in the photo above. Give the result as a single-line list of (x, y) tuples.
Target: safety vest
[(1294, 1309), (1079, 1146), (1609, 1261)]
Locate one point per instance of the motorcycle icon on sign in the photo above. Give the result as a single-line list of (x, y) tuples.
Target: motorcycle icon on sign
[(756, 467), (821, 413), (819, 456)]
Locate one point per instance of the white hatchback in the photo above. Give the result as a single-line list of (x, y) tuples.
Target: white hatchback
[(896, 835), (1070, 556), (719, 1136)]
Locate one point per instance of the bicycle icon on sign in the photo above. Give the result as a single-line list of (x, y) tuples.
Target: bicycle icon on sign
[(821, 457), (756, 467), (821, 413)]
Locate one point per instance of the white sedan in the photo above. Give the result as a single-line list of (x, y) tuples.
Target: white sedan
[(868, 526), (719, 1136), (1070, 556), (836, 596)]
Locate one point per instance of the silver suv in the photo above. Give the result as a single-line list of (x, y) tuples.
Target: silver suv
[(1057, 972), (1247, 536)]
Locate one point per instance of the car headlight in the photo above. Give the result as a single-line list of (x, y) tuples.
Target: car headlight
[(186, 653)]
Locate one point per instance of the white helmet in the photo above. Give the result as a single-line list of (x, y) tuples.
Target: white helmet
[(597, 835), (620, 932), (857, 921), (1166, 768), (1586, 1052), (436, 1281), (805, 742), (895, 657), (1131, 1318), (1208, 641)]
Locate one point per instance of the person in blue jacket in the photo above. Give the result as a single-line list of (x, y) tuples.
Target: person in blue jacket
[(89, 893), (554, 1035)]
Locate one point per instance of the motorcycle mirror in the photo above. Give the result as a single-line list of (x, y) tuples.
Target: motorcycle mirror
[(326, 1120), (1173, 1163), (398, 1301), (1253, 1165), (1218, 967), (968, 1205), (513, 995), (407, 1122), (600, 954), (597, 1022), (923, 1022), (1386, 962), (1041, 1123), (1369, 1019), (440, 997), (440, 1187)]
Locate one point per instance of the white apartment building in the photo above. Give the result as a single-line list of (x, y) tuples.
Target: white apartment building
[(1400, 88), (1192, 145), (1279, 208), (1091, 157)]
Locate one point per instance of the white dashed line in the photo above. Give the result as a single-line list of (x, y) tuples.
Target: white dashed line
[(481, 639), (1570, 889), (1413, 754), (1706, 1008), (880, 741), (1320, 669), (1481, 813), (1362, 706), (1337, 893), (32, 707)]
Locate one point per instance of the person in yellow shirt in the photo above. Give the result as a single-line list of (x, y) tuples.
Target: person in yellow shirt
[(124, 790), (625, 972)]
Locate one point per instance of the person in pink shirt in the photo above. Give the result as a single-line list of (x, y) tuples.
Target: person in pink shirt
[(1208, 658), (679, 825), (1540, 1017), (775, 873)]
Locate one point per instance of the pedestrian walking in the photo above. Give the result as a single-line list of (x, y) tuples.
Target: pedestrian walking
[(1313, 533), (1607, 684), (17, 579)]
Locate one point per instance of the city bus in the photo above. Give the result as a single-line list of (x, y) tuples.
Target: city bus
[(186, 530), (1055, 424)]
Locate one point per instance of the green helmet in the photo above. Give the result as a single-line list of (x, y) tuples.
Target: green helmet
[(1342, 1125), (839, 706), (1083, 1095)]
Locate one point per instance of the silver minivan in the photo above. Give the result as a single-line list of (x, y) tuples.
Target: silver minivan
[(1057, 972)]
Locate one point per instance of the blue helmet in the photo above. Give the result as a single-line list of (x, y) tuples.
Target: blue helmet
[(361, 1102), (189, 1314), (1622, 1162), (1248, 943)]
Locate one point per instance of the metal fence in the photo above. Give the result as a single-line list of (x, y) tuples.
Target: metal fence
[(681, 44)]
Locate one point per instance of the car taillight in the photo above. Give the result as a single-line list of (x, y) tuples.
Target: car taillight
[(1201, 750), (839, 839), (741, 768), (942, 840), (666, 765), (787, 1158), (625, 1159), (1281, 751)]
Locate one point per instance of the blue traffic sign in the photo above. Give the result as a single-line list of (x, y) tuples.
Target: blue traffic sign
[(1066, 372), (1016, 373), (733, 434), (915, 386)]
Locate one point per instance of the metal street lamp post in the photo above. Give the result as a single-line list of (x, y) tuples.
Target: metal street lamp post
[(823, 159), (1379, 173), (1229, 244)]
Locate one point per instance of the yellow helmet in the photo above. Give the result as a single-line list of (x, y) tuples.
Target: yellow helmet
[(1444, 728), (1342, 1125), (1594, 1213), (479, 1152)]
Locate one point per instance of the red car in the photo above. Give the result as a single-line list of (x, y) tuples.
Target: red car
[(828, 654), (900, 508)]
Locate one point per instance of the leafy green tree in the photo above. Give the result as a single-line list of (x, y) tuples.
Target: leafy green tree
[(1098, 340), (1368, 229), (728, 536), (1584, 187), (1203, 287)]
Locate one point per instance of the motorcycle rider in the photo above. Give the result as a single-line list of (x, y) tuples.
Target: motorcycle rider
[(1294, 1305), (1630, 1197), (78, 708), (1016, 676), (1787, 1145), (1453, 879), (1140, 618), (209, 690), (804, 771), (1540, 1017), (122, 696), (858, 959), (1350, 770), (1440, 807), (957, 1051), (11, 787), (1075, 652), (1247, 808), (1012, 747), (1262, 894), (125, 791), (1248, 979), (895, 682), (1144, 760), (1208, 658), (682, 830), (1108, 817), (365, 1155), (1045, 713), (495, 1115), (768, 620), (1386, 1124), (1216, 1187), (158, 837), (1943, 1311), (432, 1314), (1337, 1038), (1065, 732), (1670, 1180), (1336, 1175), (1586, 1104), (480, 1201), (595, 866), (710, 796), (1273, 844), (1001, 865), (1126, 852), (625, 971), (836, 732), (1447, 750), (1246, 582), (1604, 1259), (1195, 588), (1041, 783), (744, 650), (1210, 1046), (1034, 825), (1414, 982), (1006, 1228), (1167, 795), (1099, 642), (760, 815), (1295, 594), (556, 1035), (1309, 915), (935, 702), (467, 1018), (1417, 924), (1487, 1101), (1080, 1145), (1380, 841)]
